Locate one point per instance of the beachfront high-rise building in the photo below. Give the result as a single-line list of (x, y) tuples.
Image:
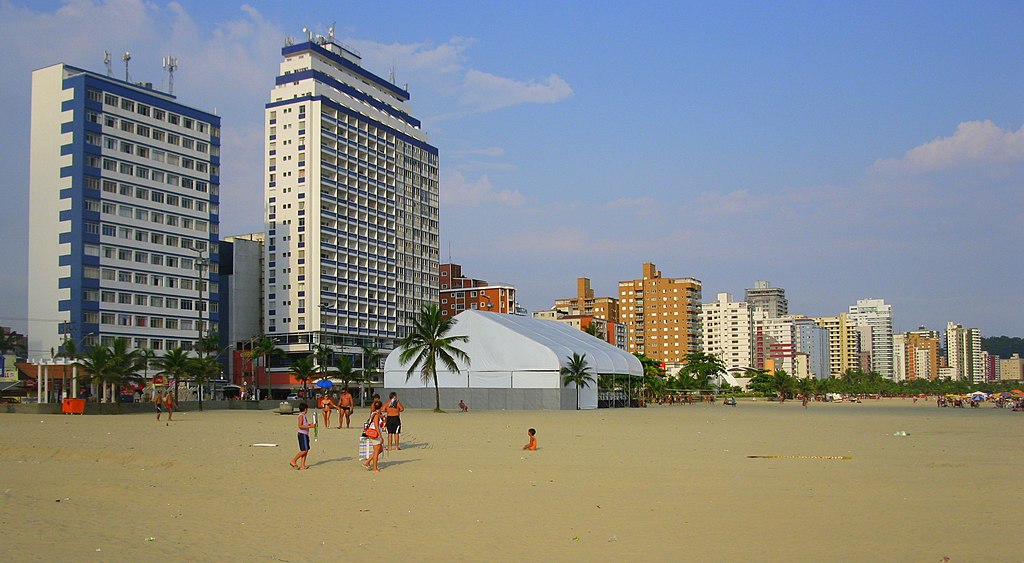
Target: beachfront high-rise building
[(764, 297), (919, 355), (662, 315), (123, 214), (874, 319), (585, 303), (351, 203), (727, 331), (963, 353), (1011, 368), (843, 343)]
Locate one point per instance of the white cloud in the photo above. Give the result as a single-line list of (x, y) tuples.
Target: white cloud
[(456, 191), (486, 92), (975, 143)]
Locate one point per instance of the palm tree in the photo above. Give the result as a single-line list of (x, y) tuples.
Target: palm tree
[(344, 371), (371, 362), (209, 343), (784, 383), (96, 364), (264, 348), (428, 343), (174, 364), (203, 369), (594, 330), (10, 342), (806, 387), (578, 373), (305, 369)]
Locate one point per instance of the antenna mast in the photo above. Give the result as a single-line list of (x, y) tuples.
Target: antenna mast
[(106, 61), (170, 65), (126, 57)]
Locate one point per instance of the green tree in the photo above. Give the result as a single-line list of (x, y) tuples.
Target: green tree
[(175, 365), (593, 329), (806, 386), (784, 384), (700, 368), (305, 369), (11, 342), (96, 365), (761, 382), (429, 343), (263, 348), (345, 371), (207, 344), (577, 372), (371, 367), (203, 369)]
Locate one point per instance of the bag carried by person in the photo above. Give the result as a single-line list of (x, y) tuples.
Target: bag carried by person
[(369, 430)]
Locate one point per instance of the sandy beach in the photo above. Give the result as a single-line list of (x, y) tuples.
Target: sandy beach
[(666, 483)]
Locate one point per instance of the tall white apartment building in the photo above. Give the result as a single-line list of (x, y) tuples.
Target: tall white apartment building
[(874, 318), (727, 331), (963, 353), (351, 203), (123, 204)]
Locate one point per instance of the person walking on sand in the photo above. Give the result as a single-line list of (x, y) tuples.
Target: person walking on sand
[(326, 405), (373, 427), (304, 426), (345, 406), (169, 405), (532, 444), (158, 402), (394, 411)]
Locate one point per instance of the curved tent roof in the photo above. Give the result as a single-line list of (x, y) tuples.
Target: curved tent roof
[(508, 343)]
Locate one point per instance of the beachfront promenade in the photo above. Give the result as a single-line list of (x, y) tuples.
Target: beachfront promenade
[(668, 482)]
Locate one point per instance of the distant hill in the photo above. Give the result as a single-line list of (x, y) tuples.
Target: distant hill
[(1003, 346)]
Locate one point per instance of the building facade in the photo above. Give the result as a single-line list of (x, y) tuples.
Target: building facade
[(585, 303), (921, 354), (727, 331), (662, 315), (843, 344), (963, 353), (459, 293), (874, 317), (241, 294), (764, 297), (351, 204), (124, 214), (1012, 368)]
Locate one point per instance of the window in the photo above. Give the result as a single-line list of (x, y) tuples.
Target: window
[(127, 104), (159, 114), (110, 99), (143, 110)]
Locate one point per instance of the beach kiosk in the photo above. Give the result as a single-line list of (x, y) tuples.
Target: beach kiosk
[(514, 364)]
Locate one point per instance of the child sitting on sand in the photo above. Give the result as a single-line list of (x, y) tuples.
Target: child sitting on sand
[(533, 440)]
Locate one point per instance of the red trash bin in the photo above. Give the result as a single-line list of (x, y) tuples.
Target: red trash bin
[(72, 406)]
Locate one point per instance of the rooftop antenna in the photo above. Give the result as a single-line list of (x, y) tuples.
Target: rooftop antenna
[(126, 57), (170, 65), (289, 41), (330, 31), (392, 73), (106, 61), (309, 33)]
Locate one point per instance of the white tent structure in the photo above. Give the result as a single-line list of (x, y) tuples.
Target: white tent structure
[(514, 364)]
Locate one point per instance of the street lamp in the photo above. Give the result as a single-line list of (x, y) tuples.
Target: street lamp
[(201, 263)]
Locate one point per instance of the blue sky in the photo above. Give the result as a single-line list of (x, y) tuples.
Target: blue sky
[(875, 150)]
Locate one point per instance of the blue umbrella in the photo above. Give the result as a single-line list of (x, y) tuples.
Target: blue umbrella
[(325, 383)]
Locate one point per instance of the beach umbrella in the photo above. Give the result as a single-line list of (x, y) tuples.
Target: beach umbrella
[(325, 383), (1017, 392)]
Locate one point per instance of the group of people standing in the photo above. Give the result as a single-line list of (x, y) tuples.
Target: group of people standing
[(344, 406), (384, 419)]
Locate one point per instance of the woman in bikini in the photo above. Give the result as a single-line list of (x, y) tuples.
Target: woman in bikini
[(378, 442)]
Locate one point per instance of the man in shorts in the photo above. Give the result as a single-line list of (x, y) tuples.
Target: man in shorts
[(393, 409), (345, 405)]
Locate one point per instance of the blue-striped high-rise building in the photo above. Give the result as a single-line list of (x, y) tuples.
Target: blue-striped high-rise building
[(124, 214)]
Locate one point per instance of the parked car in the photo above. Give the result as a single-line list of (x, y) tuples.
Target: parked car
[(293, 397)]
